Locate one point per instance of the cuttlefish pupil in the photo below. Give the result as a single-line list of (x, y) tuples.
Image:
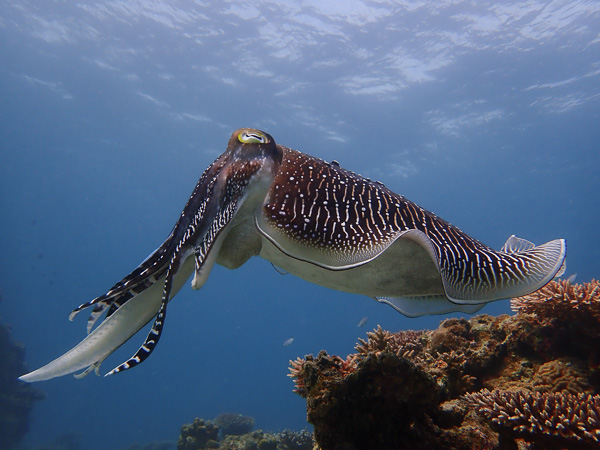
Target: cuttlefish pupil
[(252, 137), (319, 222)]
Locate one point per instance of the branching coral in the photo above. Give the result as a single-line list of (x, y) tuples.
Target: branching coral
[(402, 343), (561, 299), (296, 368), (564, 416), (563, 320), (377, 341), (305, 372)]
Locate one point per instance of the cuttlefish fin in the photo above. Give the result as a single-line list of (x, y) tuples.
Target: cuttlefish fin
[(515, 245), (482, 275), (428, 305), (473, 274)]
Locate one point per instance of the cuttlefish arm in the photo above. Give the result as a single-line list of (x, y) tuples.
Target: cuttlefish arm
[(243, 172)]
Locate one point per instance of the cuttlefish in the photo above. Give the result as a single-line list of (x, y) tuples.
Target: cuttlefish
[(319, 222)]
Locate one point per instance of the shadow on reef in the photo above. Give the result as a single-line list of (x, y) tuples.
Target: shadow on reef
[(528, 381), (238, 435), (16, 397)]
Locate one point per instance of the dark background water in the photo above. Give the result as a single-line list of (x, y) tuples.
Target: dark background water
[(485, 114)]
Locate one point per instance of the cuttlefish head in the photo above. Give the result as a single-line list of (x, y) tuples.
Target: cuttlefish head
[(242, 173), (252, 159), (251, 146), (234, 185)]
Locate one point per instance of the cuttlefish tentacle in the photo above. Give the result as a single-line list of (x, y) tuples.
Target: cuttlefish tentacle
[(247, 167), (315, 220), (226, 207)]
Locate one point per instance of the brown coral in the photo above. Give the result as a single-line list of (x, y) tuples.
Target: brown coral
[(561, 417), (384, 392), (377, 341), (234, 424), (418, 378), (401, 342), (305, 371), (199, 434), (558, 376), (561, 299)]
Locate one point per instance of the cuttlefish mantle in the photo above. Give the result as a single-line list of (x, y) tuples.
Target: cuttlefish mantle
[(319, 222)]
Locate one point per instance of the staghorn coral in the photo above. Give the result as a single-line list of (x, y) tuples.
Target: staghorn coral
[(561, 299), (566, 317), (401, 342), (558, 375), (303, 371), (551, 419), (377, 341)]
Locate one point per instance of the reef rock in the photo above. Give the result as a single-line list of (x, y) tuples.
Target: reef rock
[(528, 381), (16, 397), (234, 424), (202, 434)]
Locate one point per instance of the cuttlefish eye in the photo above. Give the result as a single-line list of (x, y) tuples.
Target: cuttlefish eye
[(252, 137)]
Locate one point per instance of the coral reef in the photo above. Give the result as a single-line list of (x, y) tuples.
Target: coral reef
[(198, 435), (561, 419), (257, 440), (558, 375), (164, 445), (528, 381), (16, 397), (203, 434), (64, 441), (561, 299), (294, 440), (234, 424)]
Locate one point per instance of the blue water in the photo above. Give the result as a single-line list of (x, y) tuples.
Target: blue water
[(485, 114)]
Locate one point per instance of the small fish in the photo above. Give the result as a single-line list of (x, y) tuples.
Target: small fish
[(288, 342), (362, 322), (571, 278)]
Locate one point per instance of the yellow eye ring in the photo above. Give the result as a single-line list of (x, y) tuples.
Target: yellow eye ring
[(252, 137)]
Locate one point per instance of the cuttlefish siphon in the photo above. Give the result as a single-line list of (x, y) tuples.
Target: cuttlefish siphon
[(319, 222)]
